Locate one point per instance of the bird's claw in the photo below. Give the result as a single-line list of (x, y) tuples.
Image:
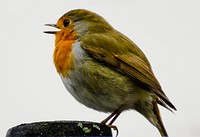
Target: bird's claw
[(114, 128)]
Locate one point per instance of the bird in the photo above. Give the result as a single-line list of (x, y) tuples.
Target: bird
[(104, 70)]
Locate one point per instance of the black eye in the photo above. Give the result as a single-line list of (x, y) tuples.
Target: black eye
[(66, 22)]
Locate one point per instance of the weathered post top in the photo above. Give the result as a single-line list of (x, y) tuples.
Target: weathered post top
[(60, 129)]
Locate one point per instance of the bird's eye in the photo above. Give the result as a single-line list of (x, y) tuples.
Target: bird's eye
[(66, 22)]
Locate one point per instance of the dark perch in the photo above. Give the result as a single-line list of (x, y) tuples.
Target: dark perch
[(60, 129)]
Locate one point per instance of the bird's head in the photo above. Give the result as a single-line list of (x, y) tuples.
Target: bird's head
[(77, 23)]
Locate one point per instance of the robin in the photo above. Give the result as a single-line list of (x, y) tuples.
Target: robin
[(104, 70)]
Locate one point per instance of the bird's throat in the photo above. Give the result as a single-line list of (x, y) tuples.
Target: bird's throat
[(63, 56)]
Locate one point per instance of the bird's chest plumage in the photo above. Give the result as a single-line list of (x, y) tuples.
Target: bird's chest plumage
[(92, 83)]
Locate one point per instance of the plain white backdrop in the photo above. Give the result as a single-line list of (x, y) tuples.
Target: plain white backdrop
[(31, 90)]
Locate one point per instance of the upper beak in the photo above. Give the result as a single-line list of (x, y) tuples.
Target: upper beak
[(51, 32)]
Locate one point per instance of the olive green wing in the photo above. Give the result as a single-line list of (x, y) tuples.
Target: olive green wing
[(122, 59)]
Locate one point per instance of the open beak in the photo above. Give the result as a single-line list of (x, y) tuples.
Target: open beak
[(51, 25)]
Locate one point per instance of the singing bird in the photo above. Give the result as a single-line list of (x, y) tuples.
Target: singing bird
[(104, 70)]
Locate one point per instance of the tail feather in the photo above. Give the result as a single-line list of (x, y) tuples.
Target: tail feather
[(159, 124), (151, 112)]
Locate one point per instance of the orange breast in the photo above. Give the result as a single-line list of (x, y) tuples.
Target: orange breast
[(63, 56)]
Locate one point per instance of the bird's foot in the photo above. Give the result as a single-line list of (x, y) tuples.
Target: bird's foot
[(112, 127)]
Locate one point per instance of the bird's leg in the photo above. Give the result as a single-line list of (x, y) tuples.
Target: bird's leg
[(114, 118), (112, 121), (109, 117), (113, 115)]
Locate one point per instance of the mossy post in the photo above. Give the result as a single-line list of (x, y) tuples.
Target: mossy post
[(60, 129)]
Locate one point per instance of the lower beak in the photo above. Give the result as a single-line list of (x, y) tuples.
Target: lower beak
[(51, 25)]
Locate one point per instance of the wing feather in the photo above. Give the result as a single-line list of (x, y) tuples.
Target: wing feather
[(126, 62)]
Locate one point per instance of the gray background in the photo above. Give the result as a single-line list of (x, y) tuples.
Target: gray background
[(31, 90)]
